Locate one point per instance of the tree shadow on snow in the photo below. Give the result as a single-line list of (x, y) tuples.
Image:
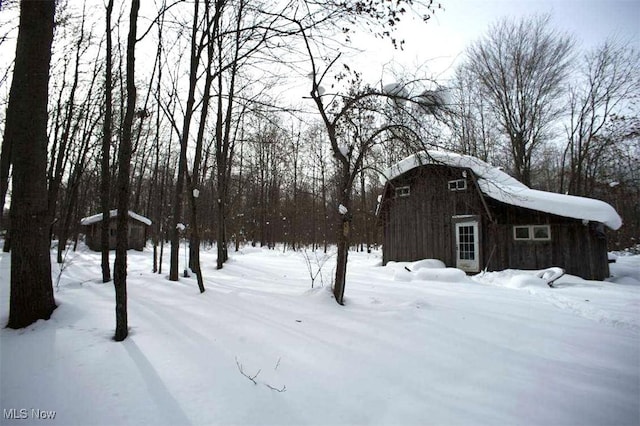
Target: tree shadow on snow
[(171, 411)]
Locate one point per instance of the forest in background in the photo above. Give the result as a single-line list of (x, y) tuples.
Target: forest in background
[(237, 103)]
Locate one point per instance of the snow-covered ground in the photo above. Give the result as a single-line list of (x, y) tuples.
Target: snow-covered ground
[(415, 345)]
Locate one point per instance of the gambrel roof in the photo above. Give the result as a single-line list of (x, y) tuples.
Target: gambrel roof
[(498, 185)]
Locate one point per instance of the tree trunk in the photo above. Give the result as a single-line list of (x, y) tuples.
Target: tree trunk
[(5, 165), (124, 168), (222, 238), (26, 128), (184, 138), (365, 214), (105, 181), (343, 239), (325, 212)]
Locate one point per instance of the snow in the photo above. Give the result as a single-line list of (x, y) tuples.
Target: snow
[(550, 275), (342, 209), (90, 220), (396, 89), (397, 92), (502, 187), (344, 150), (436, 349)]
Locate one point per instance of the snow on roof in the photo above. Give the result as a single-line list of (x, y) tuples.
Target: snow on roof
[(500, 186), (113, 213)]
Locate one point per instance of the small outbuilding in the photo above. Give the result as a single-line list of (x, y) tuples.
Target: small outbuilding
[(473, 216), (136, 231)]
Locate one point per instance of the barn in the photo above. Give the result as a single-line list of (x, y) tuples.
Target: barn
[(473, 216), (136, 231)]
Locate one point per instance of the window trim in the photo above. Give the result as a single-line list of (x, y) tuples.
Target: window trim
[(455, 185), (515, 232), (548, 231), (403, 191), (531, 232)]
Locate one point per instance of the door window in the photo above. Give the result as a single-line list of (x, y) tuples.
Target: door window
[(466, 242)]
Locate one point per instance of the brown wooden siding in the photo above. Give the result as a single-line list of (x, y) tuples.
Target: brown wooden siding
[(578, 248), (137, 237), (420, 226)]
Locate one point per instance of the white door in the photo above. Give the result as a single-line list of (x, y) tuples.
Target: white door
[(467, 246)]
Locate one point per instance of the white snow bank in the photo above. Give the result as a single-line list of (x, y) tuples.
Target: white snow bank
[(451, 275), (426, 270), (502, 187), (608, 303), (550, 274), (626, 270), (113, 213), (427, 263), (512, 278)]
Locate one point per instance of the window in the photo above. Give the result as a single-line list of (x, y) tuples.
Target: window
[(466, 242), (403, 191), (542, 232), (532, 232), (521, 233), (457, 185)]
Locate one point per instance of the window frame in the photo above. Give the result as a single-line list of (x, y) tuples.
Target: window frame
[(454, 185), (531, 232), (519, 227), (402, 191), (547, 229)]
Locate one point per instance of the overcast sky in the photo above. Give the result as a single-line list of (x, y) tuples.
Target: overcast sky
[(441, 41)]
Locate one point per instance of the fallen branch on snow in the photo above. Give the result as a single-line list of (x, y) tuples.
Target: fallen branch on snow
[(252, 378), (283, 389)]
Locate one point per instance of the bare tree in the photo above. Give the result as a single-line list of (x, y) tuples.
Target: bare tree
[(26, 132), (354, 128), (344, 116), (70, 125), (105, 173), (123, 187), (607, 83), (473, 127), (194, 58), (8, 27), (522, 67)]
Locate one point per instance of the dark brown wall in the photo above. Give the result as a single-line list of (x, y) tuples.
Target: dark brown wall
[(136, 235), (420, 226), (578, 248)]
